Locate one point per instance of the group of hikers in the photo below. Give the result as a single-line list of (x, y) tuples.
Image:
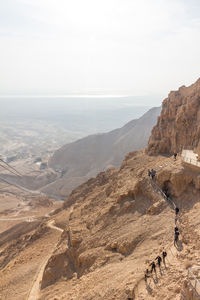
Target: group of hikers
[(162, 257), (153, 265), (158, 260), (176, 230)]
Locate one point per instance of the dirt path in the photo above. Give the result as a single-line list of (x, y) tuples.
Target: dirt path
[(143, 290), (176, 265), (50, 225), (35, 289), (30, 219)]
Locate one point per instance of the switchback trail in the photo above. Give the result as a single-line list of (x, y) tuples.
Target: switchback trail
[(35, 289)]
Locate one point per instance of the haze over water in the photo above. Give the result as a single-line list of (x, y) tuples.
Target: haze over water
[(84, 114)]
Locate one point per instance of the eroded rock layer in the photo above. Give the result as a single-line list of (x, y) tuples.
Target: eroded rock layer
[(179, 123)]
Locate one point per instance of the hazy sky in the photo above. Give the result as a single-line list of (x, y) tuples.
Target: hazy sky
[(128, 47)]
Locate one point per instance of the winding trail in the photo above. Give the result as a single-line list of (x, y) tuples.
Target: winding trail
[(30, 219), (142, 290), (35, 289)]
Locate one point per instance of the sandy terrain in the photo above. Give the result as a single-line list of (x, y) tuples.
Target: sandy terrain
[(109, 231)]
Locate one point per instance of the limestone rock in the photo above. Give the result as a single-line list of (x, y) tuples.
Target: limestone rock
[(197, 182), (179, 123)]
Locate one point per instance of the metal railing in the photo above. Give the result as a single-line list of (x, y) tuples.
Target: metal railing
[(194, 280), (159, 190)]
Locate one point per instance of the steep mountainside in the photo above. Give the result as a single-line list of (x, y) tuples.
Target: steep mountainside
[(109, 230), (118, 223), (179, 123), (113, 226), (84, 158)]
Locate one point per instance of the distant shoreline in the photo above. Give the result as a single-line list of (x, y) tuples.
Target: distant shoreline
[(67, 96)]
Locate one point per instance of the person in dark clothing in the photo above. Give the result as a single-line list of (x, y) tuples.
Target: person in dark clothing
[(175, 155), (153, 267), (164, 254), (146, 275), (153, 173), (176, 235), (176, 211), (166, 192), (175, 229), (159, 259)]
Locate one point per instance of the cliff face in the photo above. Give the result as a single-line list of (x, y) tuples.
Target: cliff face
[(179, 123)]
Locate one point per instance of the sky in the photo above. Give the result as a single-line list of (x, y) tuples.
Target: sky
[(98, 47)]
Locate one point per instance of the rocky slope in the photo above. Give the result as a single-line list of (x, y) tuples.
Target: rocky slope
[(87, 157), (114, 226), (119, 223), (108, 232), (179, 123)]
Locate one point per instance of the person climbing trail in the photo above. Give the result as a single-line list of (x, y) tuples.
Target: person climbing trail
[(176, 235), (153, 267), (176, 214), (176, 211), (146, 275), (153, 173), (164, 254), (175, 229), (175, 155), (159, 259), (166, 192)]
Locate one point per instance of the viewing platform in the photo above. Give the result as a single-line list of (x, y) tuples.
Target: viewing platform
[(190, 157)]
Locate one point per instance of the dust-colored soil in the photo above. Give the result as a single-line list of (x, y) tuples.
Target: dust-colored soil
[(110, 229), (35, 290)]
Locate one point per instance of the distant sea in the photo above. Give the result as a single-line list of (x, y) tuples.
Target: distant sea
[(87, 115)]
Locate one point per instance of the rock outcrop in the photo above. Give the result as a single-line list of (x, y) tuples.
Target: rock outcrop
[(179, 123)]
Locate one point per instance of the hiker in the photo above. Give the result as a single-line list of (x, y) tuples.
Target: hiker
[(164, 254), (146, 275), (176, 237), (176, 211), (175, 155), (175, 229), (176, 219), (153, 173), (153, 267), (149, 173), (159, 259), (166, 192)]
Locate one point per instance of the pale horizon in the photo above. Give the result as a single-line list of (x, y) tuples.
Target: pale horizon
[(115, 47)]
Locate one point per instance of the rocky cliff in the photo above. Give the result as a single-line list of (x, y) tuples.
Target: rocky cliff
[(179, 123)]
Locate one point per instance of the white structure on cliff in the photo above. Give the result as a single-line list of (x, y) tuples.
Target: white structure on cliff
[(190, 157)]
